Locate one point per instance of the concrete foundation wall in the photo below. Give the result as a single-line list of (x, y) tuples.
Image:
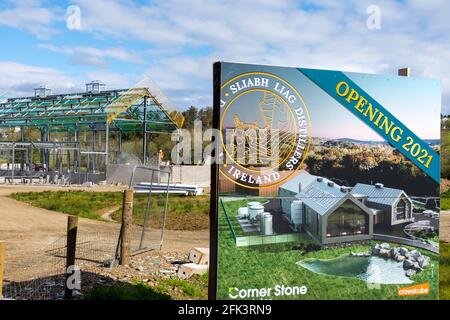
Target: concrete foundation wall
[(197, 175), (80, 178), (121, 174)]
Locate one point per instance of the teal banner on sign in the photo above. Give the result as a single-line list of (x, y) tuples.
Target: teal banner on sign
[(360, 103)]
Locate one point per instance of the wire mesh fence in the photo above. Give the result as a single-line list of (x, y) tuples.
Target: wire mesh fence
[(150, 206), (41, 276), (37, 277)]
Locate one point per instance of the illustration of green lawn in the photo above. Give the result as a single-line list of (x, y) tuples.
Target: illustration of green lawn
[(266, 266)]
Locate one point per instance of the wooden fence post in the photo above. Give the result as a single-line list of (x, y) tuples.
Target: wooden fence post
[(2, 261), (127, 216), (72, 226)]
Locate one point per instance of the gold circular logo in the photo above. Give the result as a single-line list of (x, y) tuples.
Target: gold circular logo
[(265, 130)]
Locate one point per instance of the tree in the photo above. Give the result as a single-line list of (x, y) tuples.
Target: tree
[(190, 115)]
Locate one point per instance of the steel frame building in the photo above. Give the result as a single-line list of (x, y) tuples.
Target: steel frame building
[(64, 119)]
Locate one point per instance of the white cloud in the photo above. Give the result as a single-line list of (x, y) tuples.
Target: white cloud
[(322, 34), (95, 56), (114, 80), (185, 37), (124, 20), (30, 16), (18, 79)]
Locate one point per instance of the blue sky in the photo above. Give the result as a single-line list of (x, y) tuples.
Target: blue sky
[(175, 42)]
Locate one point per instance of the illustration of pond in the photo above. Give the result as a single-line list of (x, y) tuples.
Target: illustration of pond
[(370, 269)]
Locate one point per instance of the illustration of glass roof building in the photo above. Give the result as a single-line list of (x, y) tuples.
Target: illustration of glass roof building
[(330, 213)]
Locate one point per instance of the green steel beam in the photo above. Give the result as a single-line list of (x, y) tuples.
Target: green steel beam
[(62, 114)]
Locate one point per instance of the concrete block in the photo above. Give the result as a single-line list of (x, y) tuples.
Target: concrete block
[(199, 255), (187, 270)]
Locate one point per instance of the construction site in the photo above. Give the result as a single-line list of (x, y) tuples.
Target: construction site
[(78, 135), (115, 213)]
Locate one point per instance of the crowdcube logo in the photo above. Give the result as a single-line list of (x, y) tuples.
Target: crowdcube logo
[(423, 288), (265, 129)]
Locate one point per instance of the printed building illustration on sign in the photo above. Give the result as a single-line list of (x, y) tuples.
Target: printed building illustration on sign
[(338, 195), (331, 213)]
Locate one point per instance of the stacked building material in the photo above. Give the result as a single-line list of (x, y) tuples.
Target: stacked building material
[(185, 189)]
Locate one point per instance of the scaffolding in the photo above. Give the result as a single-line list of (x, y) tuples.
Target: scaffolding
[(75, 131)]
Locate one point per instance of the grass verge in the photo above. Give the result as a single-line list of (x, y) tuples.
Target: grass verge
[(445, 200), (166, 289), (444, 271), (184, 213), (79, 203)]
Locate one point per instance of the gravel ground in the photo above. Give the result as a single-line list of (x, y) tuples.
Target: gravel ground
[(444, 230), (29, 232)]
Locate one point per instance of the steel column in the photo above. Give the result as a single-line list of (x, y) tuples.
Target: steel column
[(144, 132)]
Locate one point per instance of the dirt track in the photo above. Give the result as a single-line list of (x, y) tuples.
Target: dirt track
[(27, 229), (444, 229)]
